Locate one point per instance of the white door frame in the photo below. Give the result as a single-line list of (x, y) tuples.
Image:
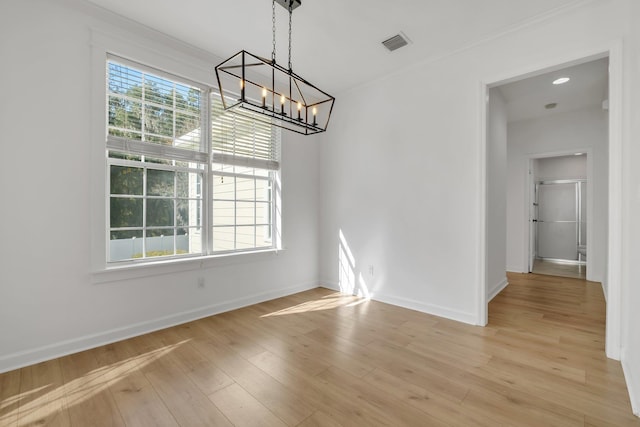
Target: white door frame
[(530, 199), (614, 264)]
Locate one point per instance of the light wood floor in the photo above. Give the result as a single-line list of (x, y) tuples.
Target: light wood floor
[(321, 359), (559, 269)]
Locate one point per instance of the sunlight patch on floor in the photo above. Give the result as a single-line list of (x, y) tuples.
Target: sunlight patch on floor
[(330, 302), (40, 403)]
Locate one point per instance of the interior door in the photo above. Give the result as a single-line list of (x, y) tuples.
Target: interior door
[(557, 220), (533, 224)]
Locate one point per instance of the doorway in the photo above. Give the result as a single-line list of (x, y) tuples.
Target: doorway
[(559, 228), (560, 215), (612, 205)]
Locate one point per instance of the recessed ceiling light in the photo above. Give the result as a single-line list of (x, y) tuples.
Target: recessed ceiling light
[(578, 154), (561, 80), (551, 106)]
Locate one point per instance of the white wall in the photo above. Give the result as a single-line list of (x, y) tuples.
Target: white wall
[(399, 185), (578, 131), (51, 300), (561, 167), (630, 227), (496, 194)]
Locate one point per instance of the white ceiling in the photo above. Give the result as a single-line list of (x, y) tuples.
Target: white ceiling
[(336, 43), (526, 99)]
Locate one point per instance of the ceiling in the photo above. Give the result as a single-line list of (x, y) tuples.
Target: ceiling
[(336, 43), (588, 87)]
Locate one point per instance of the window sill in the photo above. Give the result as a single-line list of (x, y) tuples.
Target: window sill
[(127, 271)]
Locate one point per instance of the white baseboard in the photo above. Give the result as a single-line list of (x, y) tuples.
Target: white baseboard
[(512, 269), (52, 351), (434, 310), (414, 305), (330, 285), (633, 386), (496, 289)]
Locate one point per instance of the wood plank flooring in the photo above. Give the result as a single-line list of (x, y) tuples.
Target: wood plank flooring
[(321, 359)]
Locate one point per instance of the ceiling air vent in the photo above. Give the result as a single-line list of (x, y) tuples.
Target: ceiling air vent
[(396, 42)]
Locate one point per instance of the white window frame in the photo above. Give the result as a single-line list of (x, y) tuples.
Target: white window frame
[(154, 56)]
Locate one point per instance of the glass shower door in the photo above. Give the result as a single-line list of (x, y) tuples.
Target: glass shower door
[(558, 220), (582, 219)]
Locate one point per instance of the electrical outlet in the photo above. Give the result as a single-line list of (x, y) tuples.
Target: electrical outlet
[(371, 270), (201, 282)]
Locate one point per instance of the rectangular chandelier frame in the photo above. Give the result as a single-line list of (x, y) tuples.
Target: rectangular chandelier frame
[(253, 84)]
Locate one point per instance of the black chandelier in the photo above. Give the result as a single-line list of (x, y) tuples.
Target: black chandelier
[(252, 84)]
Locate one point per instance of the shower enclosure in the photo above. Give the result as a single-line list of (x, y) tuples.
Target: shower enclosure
[(560, 221)]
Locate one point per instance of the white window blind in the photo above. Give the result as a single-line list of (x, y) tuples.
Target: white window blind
[(242, 139), (152, 114)]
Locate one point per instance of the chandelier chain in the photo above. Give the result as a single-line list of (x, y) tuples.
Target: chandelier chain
[(290, 24), (273, 22)]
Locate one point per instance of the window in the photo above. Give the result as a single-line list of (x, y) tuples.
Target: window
[(185, 178)]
